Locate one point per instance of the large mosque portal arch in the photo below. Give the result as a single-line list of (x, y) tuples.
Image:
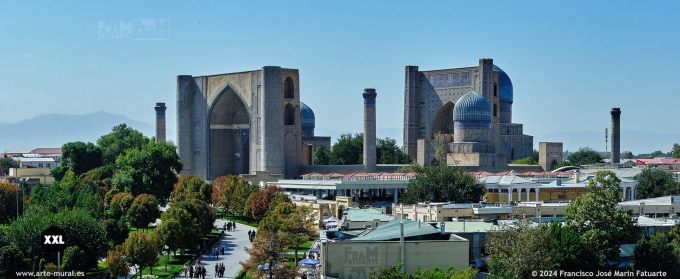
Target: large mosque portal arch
[(228, 135), (443, 120)]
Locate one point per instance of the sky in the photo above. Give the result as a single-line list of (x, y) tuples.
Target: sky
[(570, 61)]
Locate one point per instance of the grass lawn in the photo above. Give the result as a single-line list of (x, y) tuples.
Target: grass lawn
[(242, 275), (290, 255), (238, 218), (176, 263)]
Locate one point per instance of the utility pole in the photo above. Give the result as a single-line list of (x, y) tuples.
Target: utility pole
[(606, 139), (401, 244)]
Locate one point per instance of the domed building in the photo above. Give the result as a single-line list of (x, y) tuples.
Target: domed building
[(309, 140), (472, 108), (471, 119), (504, 95), (307, 120)]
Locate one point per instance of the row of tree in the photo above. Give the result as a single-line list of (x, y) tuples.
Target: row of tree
[(395, 272), (102, 191), (349, 148), (283, 226)]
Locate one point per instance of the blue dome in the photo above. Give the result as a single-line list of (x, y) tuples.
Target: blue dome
[(307, 120), (504, 85), (472, 108)]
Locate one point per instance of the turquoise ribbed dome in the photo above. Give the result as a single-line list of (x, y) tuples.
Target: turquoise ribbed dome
[(504, 85), (472, 108), (307, 120)]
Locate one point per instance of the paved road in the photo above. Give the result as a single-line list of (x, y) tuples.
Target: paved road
[(234, 243)]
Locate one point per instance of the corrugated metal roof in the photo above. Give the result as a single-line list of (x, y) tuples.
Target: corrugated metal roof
[(366, 215), (467, 226), (392, 231)]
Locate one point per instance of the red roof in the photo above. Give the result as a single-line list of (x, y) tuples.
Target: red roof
[(360, 175), (46, 150), (657, 161)]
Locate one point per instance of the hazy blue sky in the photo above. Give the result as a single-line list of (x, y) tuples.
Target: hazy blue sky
[(570, 61)]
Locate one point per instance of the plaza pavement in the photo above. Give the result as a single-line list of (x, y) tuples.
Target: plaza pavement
[(234, 243)]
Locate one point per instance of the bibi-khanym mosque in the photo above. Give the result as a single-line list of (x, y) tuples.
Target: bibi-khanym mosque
[(240, 123)]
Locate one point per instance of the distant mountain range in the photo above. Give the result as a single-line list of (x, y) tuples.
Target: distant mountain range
[(53, 130)]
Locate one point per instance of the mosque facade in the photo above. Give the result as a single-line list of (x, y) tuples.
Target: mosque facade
[(469, 110)]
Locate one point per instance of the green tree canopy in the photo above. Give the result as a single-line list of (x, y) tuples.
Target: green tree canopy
[(120, 203), (348, 150), (516, 252), (394, 272), (80, 228), (322, 156), (595, 216), (654, 182), (657, 153), (78, 157), (68, 193), (12, 260), (7, 163), (115, 263), (388, 152), (627, 155), (441, 183), (120, 139), (232, 192), (675, 152), (142, 249), (191, 187), (116, 230), (144, 210), (296, 223), (269, 247), (202, 214), (525, 161), (74, 259), (656, 254), (8, 201), (150, 170), (585, 156), (178, 229)]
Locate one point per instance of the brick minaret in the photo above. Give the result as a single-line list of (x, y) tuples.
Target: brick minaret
[(369, 129), (160, 122)]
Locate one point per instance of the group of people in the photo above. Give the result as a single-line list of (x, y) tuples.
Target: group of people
[(229, 226), (310, 255), (251, 235), (197, 271), (216, 252), (219, 270)]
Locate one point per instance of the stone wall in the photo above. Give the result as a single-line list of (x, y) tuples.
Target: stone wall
[(356, 259)]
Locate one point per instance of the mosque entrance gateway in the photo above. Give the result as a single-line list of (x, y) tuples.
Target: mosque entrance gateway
[(228, 135), (443, 120)]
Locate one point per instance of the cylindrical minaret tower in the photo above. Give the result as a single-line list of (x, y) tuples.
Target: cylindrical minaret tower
[(616, 135), (160, 122), (369, 129)]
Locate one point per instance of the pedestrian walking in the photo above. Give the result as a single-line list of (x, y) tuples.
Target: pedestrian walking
[(222, 250), (191, 271)]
